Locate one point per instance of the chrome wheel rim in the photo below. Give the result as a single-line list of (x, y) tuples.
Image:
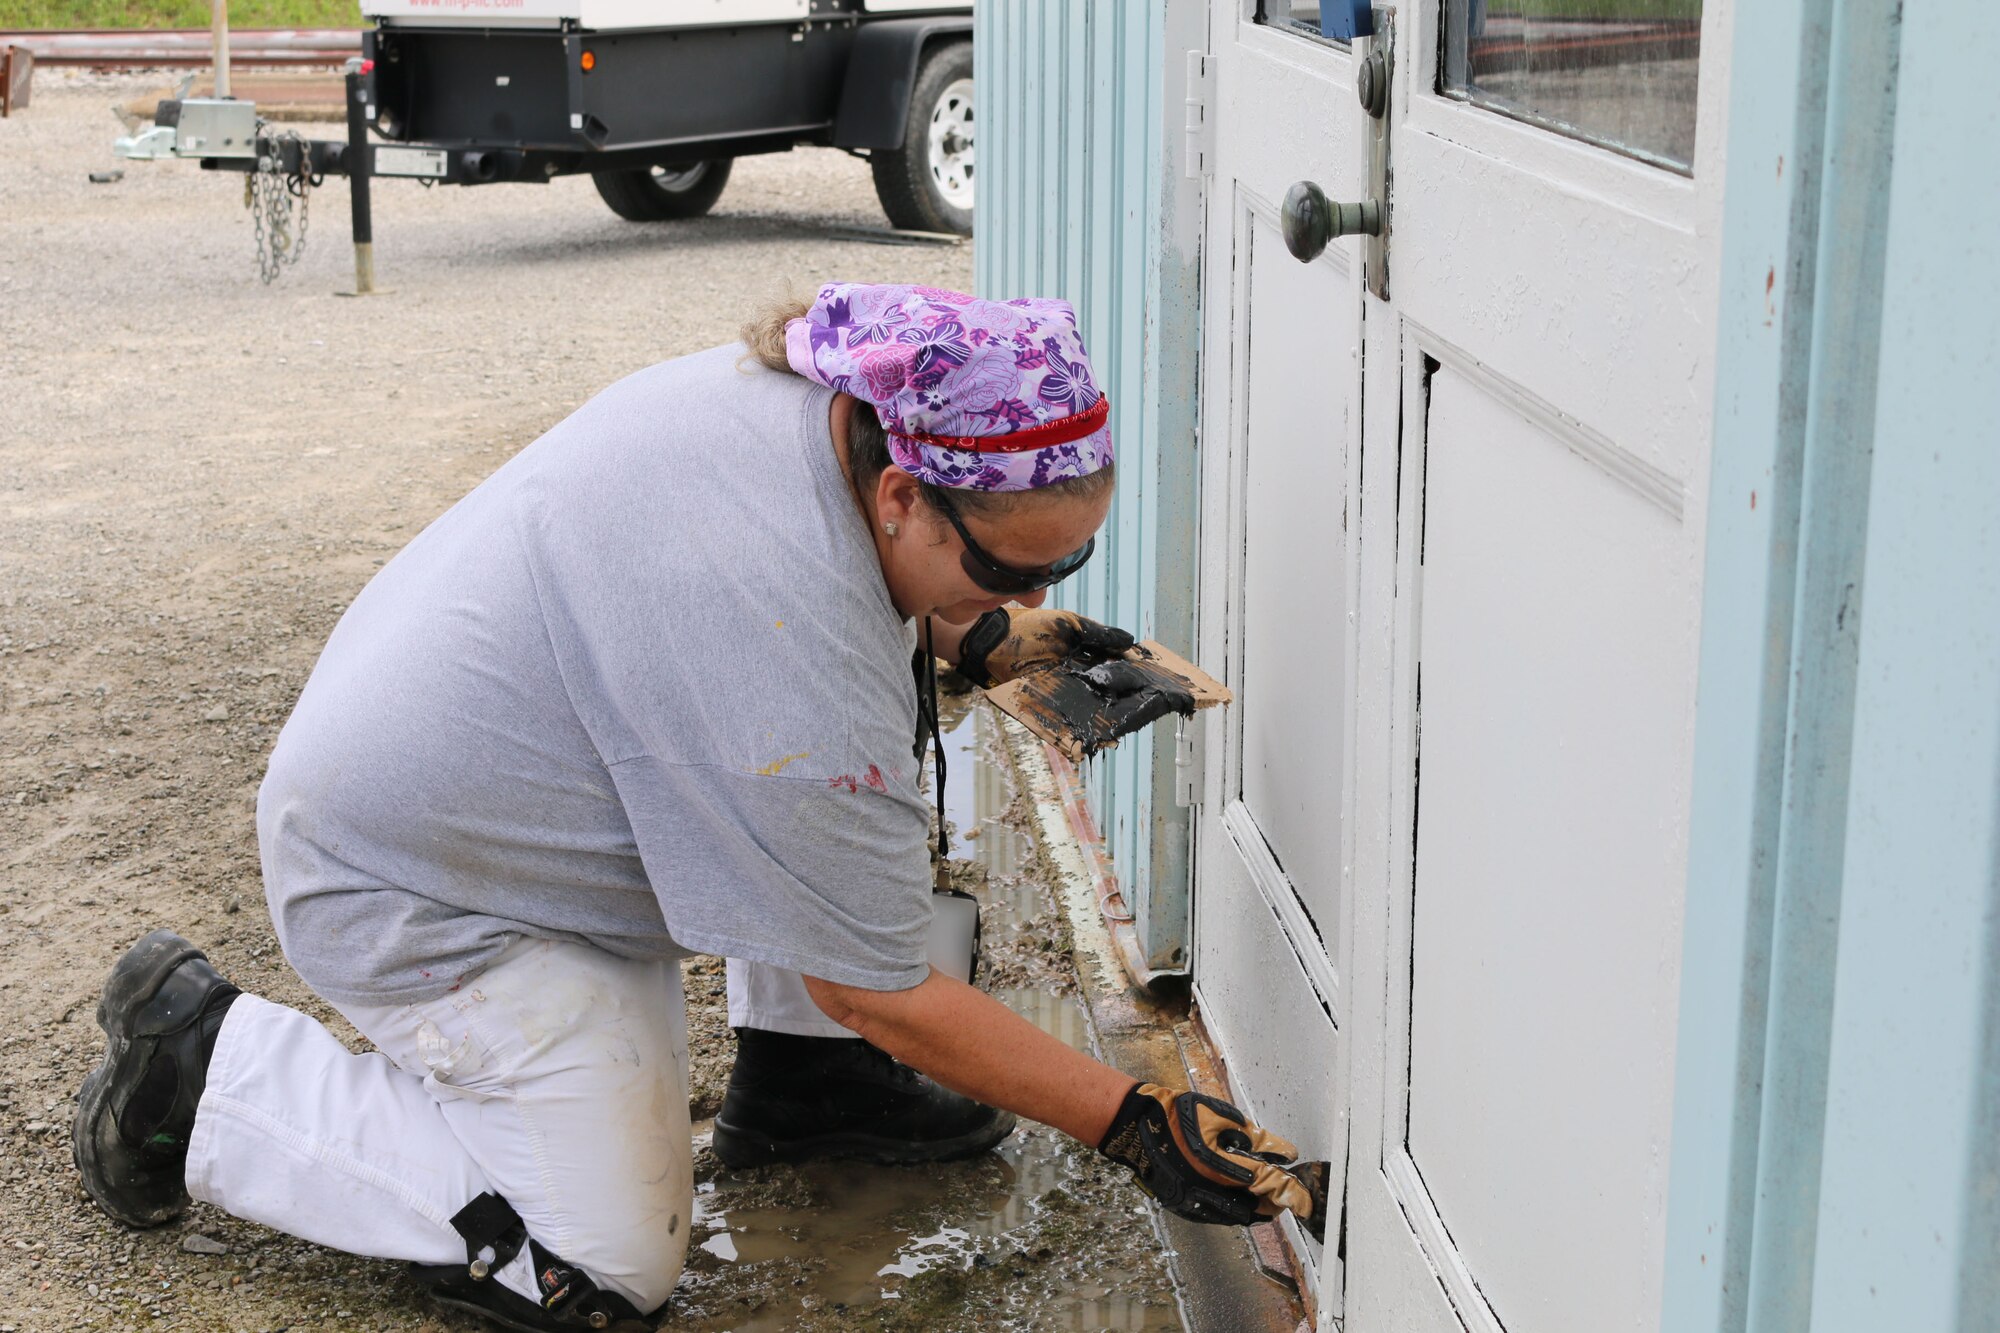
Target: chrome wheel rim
[(951, 144), (676, 179)]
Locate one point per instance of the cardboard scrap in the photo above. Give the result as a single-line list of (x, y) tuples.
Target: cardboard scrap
[(1045, 700)]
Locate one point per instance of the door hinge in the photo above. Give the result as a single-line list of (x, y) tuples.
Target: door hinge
[(1187, 765), (1198, 150)]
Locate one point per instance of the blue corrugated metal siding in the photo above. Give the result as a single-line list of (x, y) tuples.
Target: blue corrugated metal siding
[(1071, 126)]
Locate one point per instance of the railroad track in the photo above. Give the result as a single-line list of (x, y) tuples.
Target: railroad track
[(1572, 44), (249, 48)]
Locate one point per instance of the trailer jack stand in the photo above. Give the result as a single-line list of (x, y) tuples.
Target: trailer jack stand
[(358, 172)]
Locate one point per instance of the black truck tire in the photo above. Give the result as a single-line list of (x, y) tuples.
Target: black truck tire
[(664, 194), (926, 185)]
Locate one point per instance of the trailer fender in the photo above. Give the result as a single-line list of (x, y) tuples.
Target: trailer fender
[(875, 98)]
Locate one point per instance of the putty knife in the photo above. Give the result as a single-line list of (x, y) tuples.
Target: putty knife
[(1314, 1176)]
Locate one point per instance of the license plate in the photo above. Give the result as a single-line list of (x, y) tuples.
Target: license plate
[(409, 162)]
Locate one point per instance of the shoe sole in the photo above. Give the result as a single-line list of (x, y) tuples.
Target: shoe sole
[(430, 1274), (137, 977), (490, 1316), (742, 1147), (502, 1321)]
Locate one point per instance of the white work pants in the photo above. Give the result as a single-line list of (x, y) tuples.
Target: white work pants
[(557, 1079)]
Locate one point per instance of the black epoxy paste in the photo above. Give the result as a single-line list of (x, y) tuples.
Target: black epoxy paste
[(1072, 704)]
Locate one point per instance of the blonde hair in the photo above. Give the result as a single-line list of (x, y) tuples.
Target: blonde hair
[(764, 334)]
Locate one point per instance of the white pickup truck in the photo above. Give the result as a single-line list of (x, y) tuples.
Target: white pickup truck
[(653, 98)]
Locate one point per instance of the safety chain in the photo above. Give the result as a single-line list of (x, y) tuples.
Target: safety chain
[(270, 193)]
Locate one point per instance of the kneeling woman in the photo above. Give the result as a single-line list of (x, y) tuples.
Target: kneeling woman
[(645, 692)]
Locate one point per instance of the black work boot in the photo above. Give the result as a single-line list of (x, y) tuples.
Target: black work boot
[(162, 1007), (794, 1098), (454, 1286)]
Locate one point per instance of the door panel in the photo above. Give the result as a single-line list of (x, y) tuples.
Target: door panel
[(1591, 309), (1270, 1026), (1546, 921), (1294, 630)]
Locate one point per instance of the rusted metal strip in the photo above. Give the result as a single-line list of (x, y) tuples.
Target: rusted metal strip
[(17, 76)]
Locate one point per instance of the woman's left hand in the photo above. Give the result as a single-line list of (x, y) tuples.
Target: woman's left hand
[(1007, 643)]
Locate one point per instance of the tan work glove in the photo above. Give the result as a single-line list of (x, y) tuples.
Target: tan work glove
[(1005, 643), (1203, 1159)]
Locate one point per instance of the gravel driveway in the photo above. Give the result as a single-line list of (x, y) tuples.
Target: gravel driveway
[(197, 473)]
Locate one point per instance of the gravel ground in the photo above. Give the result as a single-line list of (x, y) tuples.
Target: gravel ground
[(197, 473)]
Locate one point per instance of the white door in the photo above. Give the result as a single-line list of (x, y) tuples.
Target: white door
[(1452, 565), (1281, 386)]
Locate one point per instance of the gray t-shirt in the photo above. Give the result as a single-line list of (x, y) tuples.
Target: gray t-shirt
[(644, 687)]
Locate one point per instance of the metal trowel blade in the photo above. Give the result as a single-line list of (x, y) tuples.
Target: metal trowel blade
[(1314, 1176)]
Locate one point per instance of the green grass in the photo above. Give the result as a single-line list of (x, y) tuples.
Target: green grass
[(15, 14)]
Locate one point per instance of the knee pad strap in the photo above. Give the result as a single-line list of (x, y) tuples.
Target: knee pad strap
[(494, 1234)]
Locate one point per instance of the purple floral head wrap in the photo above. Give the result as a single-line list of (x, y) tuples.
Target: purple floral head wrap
[(976, 395)]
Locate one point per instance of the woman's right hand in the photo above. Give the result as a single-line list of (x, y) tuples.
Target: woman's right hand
[(1007, 643), (1203, 1159)]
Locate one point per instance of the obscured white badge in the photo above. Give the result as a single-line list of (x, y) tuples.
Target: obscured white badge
[(954, 940)]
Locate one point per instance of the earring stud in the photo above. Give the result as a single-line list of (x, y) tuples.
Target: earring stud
[(890, 528)]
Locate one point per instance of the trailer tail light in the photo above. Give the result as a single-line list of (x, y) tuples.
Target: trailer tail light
[(589, 61)]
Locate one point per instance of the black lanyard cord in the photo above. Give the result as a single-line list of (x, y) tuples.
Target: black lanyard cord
[(927, 707)]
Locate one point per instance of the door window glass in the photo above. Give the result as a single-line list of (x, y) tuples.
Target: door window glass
[(1299, 16), (1621, 73)]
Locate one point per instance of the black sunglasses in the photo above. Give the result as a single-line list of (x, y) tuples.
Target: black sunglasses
[(995, 577)]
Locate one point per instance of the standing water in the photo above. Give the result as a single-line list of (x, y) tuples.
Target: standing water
[(1039, 1234)]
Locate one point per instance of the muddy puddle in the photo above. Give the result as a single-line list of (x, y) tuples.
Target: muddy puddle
[(1040, 1234)]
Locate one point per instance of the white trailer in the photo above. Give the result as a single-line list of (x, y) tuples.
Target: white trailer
[(654, 99)]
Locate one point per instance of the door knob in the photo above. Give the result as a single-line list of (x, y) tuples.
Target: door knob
[(1311, 220)]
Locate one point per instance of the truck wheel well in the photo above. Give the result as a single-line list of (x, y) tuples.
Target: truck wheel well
[(875, 96)]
